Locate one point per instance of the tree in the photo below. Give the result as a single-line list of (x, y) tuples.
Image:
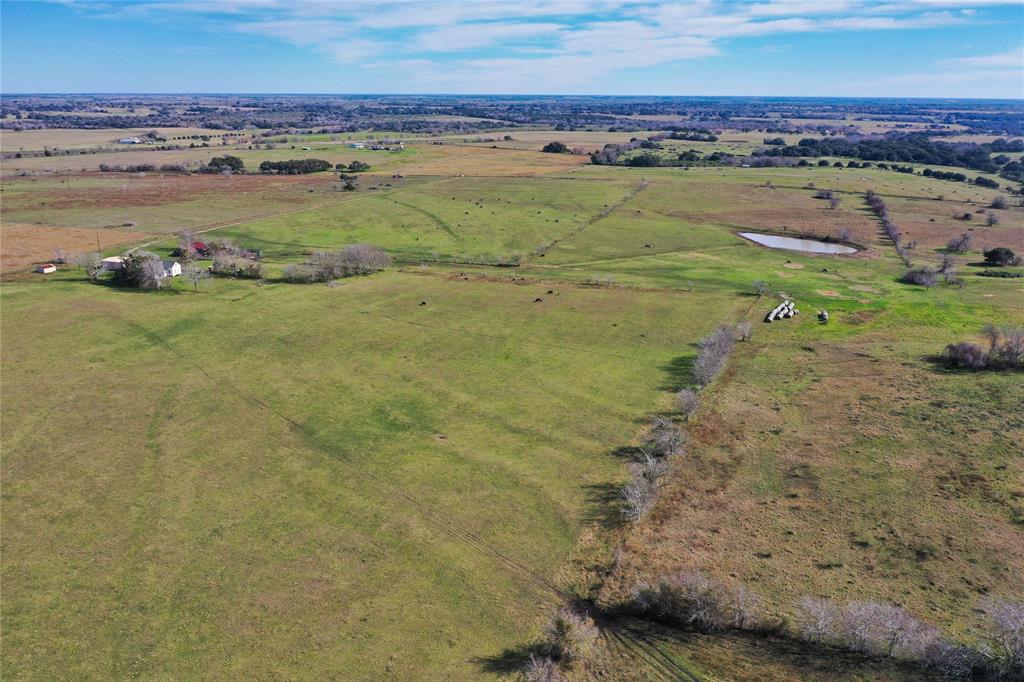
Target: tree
[(961, 244), (195, 274), (1000, 256), (140, 269), (92, 264), (743, 330), (227, 162), (713, 354), (992, 220), (555, 148), (999, 202), (358, 167)]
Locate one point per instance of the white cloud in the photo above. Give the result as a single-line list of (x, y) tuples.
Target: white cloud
[(1013, 58), (544, 41)]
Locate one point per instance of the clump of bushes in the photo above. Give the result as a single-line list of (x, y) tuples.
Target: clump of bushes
[(663, 441), (297, 166), (323, 266), (570, 637), (713, 354), (961, 244), (695, 601), (923, 276), (555, 148), (141, 269), (1001, 257), (1005, 350), (228, 264)]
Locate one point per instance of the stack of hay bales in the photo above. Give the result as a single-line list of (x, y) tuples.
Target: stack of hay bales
[(783, 310)]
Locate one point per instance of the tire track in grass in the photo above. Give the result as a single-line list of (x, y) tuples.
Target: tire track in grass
[(590, 221)]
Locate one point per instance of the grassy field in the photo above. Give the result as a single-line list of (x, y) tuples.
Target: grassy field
[(383, 477)]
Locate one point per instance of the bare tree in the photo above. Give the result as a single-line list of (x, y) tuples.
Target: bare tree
[(844, 234), (992, 220), (92, 264), (1006, 634), (197, 275), (761, 287), (961, 244), (1000, 203), (664, 439), (833, 203), (687, 402), (743, 330)]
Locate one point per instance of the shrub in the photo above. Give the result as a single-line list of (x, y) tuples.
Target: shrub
[(999, 202), (687, 402), (965, 355), (1001, 256), (555, 148), (571, 636), (693, 600), (925, 277), (641, 492), (542, 669), (664, 439)]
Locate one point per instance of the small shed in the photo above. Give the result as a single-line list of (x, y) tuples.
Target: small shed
[(172, 268), (113, 263), (46, 268)]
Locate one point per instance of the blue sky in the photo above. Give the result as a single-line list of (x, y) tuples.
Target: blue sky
[(923, 48)]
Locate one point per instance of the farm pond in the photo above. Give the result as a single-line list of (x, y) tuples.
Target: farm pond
[(794, 244)]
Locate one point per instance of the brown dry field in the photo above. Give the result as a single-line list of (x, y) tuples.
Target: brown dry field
[(65, 138), (932, 223), (25, 245), (907, 496)]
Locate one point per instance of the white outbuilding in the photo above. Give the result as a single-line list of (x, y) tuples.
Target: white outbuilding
[(172, 268), (113, 263)]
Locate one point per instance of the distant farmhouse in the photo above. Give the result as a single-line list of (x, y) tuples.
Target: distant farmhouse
[(129, 140)]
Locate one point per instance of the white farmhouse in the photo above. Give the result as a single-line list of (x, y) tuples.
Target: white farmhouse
[(172, 268)]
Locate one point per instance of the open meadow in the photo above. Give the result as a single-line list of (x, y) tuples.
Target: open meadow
[(400, 475)]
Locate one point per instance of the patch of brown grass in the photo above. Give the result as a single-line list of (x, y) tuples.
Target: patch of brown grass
[(23, 245)]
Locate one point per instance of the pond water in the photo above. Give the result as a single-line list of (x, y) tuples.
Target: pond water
[(794, 244)]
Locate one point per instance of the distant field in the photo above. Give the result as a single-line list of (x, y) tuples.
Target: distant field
[(65, 138)]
